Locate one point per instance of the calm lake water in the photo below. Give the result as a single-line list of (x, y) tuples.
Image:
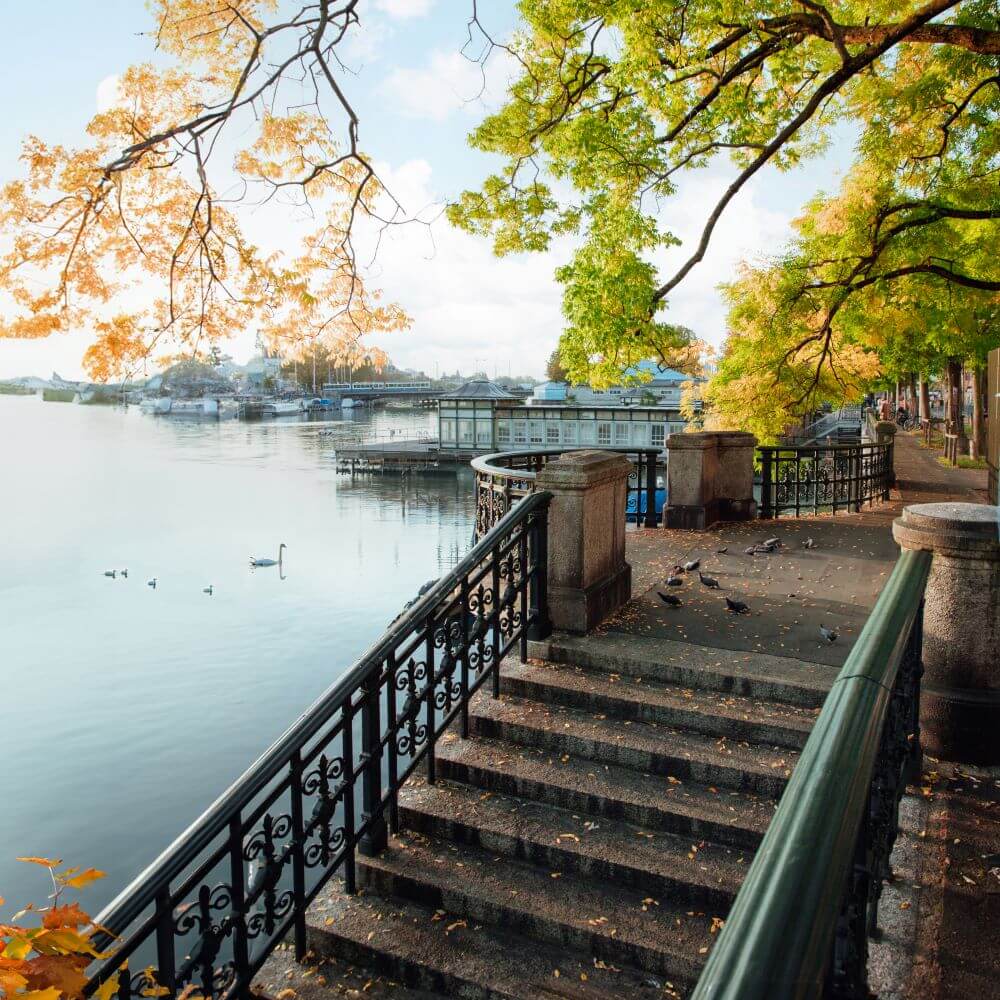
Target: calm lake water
[(124, 710)]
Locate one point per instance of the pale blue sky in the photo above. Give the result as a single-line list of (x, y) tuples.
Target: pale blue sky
[(411, 90)]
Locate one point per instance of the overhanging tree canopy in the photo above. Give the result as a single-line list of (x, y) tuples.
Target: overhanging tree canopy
[(615, 101), (139, 235)]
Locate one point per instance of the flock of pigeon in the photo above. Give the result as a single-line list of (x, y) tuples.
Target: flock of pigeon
[(768, 546), (255, 562)]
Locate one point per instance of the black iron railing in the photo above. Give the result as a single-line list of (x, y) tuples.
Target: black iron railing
[(214, 905), (504, 478), (803, 917), (823, 478)]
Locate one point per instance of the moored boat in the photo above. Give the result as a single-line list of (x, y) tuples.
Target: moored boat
[(282, 407)]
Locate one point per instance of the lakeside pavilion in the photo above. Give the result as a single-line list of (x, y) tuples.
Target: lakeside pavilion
[(482, 416)]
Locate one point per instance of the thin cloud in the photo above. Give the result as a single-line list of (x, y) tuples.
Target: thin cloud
[(404, 9)]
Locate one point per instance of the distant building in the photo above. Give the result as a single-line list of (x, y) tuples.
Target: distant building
[(481, 417), (261, 372), (465, 415), (664, 388)]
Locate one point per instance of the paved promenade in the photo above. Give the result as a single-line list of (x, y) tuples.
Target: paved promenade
[(793, 591), (942, 915)]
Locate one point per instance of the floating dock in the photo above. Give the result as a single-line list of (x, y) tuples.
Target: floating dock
[(400, 457)]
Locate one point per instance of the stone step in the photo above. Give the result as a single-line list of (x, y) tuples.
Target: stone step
[(631, 698), (608, 790), (426, 950), (321, 978), (642, 746), (702, 874), (748, 674), (615, 925)]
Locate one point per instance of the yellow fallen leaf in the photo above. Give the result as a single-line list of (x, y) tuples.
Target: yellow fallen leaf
[(85, 878)]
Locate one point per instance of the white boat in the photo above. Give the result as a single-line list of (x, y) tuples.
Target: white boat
[(158, 405), (206, 407), (282, 407)]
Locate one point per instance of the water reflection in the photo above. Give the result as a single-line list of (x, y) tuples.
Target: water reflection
[(130, 708)]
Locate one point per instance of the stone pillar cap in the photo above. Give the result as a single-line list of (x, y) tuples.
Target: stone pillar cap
[(693, 439), (735, 437), (971, 529), (581, 469)]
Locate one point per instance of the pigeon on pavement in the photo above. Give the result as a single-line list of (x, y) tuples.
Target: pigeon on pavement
[(708, 581), (829, 635), (737, 607), (669, 599), (808, 544), (674, 581), (692, 565)]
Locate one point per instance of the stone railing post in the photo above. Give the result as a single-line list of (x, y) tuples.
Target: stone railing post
[(960, 699), (692, 469), (710, 479), (588, 577), (734, 480), (885, 431)]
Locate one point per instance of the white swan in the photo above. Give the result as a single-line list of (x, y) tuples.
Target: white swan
[(254, 561)]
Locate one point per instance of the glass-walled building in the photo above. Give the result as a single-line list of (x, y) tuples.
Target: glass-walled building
[(481, 417), (573, 427), (465, 416)]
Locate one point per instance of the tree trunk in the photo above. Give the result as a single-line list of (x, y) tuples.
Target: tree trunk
[(956, 407), (978, 443), (925, 401), (912, 404)]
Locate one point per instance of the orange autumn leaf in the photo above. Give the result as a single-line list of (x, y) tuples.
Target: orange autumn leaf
[(11, 982), (63, 942), (47, 994), (65, 916), (17, 948), (44, 862), (85, 878), (107, 989), (153, 988), (65, 973)]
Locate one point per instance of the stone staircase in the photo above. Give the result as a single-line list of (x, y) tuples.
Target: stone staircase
[(590, 836)]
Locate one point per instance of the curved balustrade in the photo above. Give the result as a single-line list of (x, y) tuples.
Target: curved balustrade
[(208, 912), (504, 478), (820, 479)]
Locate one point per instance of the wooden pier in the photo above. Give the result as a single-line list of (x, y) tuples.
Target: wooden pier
[(401, 457)]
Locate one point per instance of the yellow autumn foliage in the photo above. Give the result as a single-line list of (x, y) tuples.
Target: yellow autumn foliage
[(139, 239)]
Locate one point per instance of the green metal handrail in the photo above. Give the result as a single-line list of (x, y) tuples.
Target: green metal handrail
[(778, 939)]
